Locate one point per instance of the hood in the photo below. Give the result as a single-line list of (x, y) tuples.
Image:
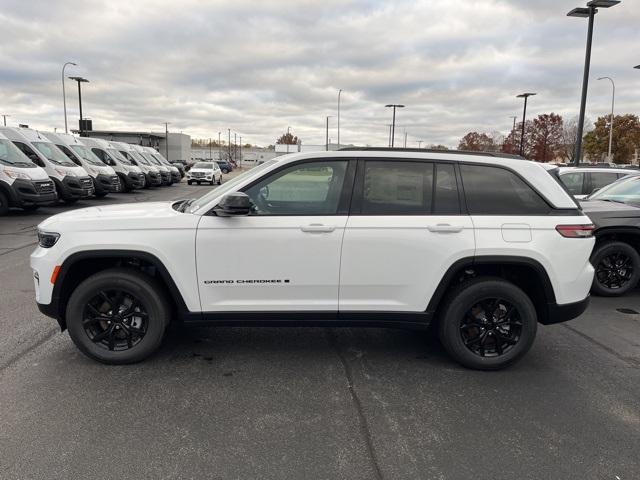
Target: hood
[(609, 214), (128, 216)]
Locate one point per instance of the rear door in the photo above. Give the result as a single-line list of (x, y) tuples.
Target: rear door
[(406, 228)]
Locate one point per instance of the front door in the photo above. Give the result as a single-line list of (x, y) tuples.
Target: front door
[(285, 256)]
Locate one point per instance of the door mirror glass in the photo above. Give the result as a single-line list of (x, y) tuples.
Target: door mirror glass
[(234, 204)]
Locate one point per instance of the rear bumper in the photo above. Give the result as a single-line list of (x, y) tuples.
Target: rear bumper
[(565, 312), (31, 192)]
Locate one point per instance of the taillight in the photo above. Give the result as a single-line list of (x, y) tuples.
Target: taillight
[(576, 231)]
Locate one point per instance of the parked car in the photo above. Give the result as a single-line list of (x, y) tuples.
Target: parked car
[(152, 177), (72, 182), (204, 172), (130, 175), (104, 177), (584, 181), (484, 248), (22, 183), (615, 211), (225, 166)]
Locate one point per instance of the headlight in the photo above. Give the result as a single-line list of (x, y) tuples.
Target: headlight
[(17, 174), (47, 239)]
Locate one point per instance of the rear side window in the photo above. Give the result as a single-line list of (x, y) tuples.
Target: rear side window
[(574, 181), (602, 179), (397, 188), (497, 191), (446, 200)]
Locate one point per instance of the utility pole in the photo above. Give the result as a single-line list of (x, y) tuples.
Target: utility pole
[(524, 118), (235, 147), (240, 151), (80, 80), (166, 140), (393, 128), (405, 139), (5, 119), (229, 144), (210, 153), (219, 147), (613, 102), (419, 143), (389, 136), (339, 92)]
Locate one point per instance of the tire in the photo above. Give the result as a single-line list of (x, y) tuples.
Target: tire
[(198, 183), (152, 318), (617, 266), (212, 182), (225, 171), (4, 204), (189, 182), (464, 326), (220, 180)]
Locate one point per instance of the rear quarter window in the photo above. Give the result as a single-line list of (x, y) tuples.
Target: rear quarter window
[(496, 191)]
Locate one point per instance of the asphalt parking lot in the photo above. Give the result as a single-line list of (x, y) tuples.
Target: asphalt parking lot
[(310, 403)]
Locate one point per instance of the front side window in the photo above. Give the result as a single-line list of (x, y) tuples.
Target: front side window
[(497, 191), (397, 188), (312, 188), (574, 182)]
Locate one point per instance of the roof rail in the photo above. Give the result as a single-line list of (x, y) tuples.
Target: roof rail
[(431, 150)]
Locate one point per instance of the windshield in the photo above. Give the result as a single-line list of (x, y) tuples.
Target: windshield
[(138, 158), (625, 190), (11, 155), (160, 158), (53, 154), (228, 186), (203, 165), (151, 158), (87, 155), (118, 156)]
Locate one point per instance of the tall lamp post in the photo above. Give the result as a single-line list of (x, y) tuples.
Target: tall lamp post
[(166, 140), (80, 80), (524, 118), (393, 124), (588, 12), (219, 147), (64, 96), (326, 141), (339, 92), (613, 102), (4, 117)]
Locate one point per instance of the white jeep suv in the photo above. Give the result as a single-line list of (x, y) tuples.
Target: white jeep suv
[(481, 247)]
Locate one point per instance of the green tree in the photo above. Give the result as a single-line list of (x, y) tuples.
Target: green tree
[(626, 138)]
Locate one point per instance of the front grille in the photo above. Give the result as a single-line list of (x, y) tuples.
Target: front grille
[(45, 187), (115, 180), (86, 183), (198, 174)]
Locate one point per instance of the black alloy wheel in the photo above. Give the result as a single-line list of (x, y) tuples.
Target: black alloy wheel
[(491, 327), (617, 268), (614, 271), (115, 320)]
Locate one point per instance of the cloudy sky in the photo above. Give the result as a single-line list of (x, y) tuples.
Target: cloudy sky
[(258, 67)]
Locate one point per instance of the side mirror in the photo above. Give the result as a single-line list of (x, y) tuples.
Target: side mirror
[(233, 205)]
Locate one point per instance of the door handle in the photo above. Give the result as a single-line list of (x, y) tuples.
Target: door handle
[(445, 228), (318, 228)]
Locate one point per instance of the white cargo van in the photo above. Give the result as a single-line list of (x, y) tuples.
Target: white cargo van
[(165, 173), (104, 177), (22, 183), (175, 173), (130, 175), (72, 182), (151, 172)]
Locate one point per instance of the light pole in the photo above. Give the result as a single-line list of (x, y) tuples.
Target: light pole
[(64, 96), (288, 128), (210, 152), (326, 141), (229, 144), (419, 143), (166, 140), (589, 12), (389, 142), (393, 125), (235, 146), (513, 130), (80, 80), (524, 118), (339, 92), (5, 119), (240, 151), (613, 102), (219, 147)]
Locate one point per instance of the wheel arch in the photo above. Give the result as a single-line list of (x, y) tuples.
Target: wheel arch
[(80, 265), (627, 234), (526, 273)]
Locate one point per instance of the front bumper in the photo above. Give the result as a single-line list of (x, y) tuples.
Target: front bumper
[(106, 183), (74, 188), (26, 193), (133, 181), (166, 178), (557, 313), (153, 179), (175, 176)]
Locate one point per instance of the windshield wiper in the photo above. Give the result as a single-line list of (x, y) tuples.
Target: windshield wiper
[(612, 200)]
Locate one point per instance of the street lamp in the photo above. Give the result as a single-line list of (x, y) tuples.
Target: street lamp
[(326, 143), (524, 117), (80, 80), (589, 12), (393, 124), (613, 100), (166, 140), (219, 147), (64, 96), (288, 128), (339, 92), (5, 118)]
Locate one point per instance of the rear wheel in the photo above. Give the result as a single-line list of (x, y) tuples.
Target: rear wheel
[(4, 204), (487, 324), (118, 316), (617, 266)]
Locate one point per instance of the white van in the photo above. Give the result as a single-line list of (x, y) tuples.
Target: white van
[(72, 182), (130, 175), (175, 173), (104, 177), (165, 173), (151, 172), (22, 184)]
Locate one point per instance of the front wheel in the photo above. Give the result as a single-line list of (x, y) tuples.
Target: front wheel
[(617, 269), (487, 324), (118, 316)]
